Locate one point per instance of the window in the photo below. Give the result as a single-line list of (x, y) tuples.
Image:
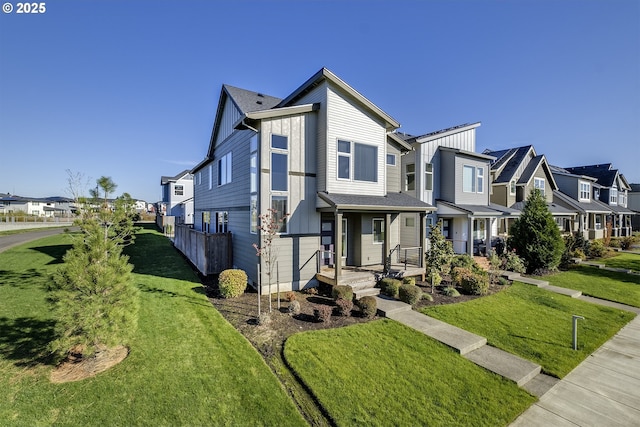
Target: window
[(596, 193), (585, 191), (224, 169), (512, 187), (378, 230), (410, 178), (35, 203), (598, 222), (222, 222), (199, 177), (428, 176), (410, 222), (279, 163), (622, 198), (253, 184), (468, 179), (253, 212), (206, 221), (178, 190), (391, 159), (539, 184), (279, 205), (210, 176), (36, 213), (613, 196), (480, 178), (357, 161)]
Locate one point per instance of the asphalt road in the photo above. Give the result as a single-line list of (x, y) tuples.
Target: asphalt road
[(12, 240)]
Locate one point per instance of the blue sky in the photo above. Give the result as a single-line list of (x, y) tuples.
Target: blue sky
[(129, 89)]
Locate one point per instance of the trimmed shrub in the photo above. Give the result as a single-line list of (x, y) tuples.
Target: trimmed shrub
[(232, 283), (390, 286), (627, 242), (322, 313), (410, 294), (475, 284), (409, 280), (294, 308), (344, 307), (342, 292), (503, 281), (311, 291), (290, 296), (368, 306), (451, 292), (458, 274), (464, 260), (427, 297), (597, 249), (512, 262)]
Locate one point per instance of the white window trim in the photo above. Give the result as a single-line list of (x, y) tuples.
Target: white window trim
[(428, 173), (512, 187), (373, 231), (286, 223), (581, 191), (352, 160), (395, 159), (543, 188)]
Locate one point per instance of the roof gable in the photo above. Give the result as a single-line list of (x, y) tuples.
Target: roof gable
[(511, 160), (604, 173)]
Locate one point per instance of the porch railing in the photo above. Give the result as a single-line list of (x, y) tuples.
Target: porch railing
[(324, 257), (409, 255)]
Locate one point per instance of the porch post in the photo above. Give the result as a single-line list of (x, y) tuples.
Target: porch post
[(423, 231), (470, 237), (337, 257), (488, 226), (387, 237)]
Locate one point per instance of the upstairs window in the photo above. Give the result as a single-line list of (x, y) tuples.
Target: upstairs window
[(512, 187), (613, 196), (391, 159), (279, 163), (539, 184), (224, 169), (178, 190), (468, 179), (358, 162), (622, 198), (585, 191), (480, 180), (210, 176), (428, 176), (410, 178)]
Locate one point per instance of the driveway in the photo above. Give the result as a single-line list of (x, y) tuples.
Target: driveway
[(12, 240)]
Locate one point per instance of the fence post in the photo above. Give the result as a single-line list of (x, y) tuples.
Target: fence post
[(259, 288)]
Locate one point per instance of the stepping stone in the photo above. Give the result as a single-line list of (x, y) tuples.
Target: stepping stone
[(536, 282), (540, 384), (387, 306), (515, 368), (563, 291), (609, 303)]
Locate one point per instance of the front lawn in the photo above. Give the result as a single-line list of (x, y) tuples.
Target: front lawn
[(629, 261), (383, 373), (536, 324), (187, 366), (610, 285)]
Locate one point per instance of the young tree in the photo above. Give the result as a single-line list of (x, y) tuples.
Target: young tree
[(438, 256), (94, 300), (535, 235)]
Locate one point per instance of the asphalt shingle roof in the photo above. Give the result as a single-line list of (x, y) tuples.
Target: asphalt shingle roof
[(603, 173), (392, 202), (249, 101)]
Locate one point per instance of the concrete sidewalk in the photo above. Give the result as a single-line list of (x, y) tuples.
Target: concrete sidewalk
[(604, 390)]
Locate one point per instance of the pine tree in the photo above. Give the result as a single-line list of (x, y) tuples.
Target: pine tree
[(438, 256), (535, 236)]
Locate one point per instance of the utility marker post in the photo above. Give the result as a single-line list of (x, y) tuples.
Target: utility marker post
[(575, 330)]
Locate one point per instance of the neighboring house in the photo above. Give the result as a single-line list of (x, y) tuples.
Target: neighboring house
[(325, 160), (633, 203), (177, 197), (517, 171), (141, 206), (581, 193), (444, 170), (613, 191), (41, 207)]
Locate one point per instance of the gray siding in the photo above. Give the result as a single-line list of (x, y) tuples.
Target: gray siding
[(568, 185), (408, 159), (448, 175), (393, 172), (230, 115), (470, 198)]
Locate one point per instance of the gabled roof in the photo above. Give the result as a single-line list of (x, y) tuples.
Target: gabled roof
[(325, 74), (248, 101), (467, 153), (604, 173), (532, 167), (554, 208), (593, 206), (393, 137), (446, 132), (557, 170), (167, 179), (509, 162), (635, 188)]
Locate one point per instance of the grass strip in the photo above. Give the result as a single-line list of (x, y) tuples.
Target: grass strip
[(536, 324), (629, 261), (187, 366), (384, 373)]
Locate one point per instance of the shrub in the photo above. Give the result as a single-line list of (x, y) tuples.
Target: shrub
[(368, 306), (410, 294), (614, 242), (322, 313), (464, 260), (311, 291), (627, 242), (409, 280), (503, 281), (512, 262), (264, 319), (342, 292), (290, 296), (344, 307), (390, 286), (579, 253), (459, 273), (434, 278), (451, 292), (232, 283), (427, 297), (475, 284), (597, 249), (294, 308)]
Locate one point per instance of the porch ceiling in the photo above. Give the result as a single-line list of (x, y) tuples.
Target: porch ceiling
[(392, 202)]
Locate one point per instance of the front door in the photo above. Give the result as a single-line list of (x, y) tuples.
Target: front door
[(327, 242)]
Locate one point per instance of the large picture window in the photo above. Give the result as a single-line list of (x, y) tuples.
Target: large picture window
[(358, 162), (585, 191)]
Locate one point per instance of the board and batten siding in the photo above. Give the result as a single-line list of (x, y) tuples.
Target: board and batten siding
[(348, 121), (230, 115)]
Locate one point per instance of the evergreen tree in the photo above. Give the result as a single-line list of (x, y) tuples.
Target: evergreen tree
[(535, 236), (438, 256)]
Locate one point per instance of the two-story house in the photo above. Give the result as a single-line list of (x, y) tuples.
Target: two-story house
[(633, 203), (177, 197), (581, 193), (325, 161), (517, 171), (613, 191), (444, 170)]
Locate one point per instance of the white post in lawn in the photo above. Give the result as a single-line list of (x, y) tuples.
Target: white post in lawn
[(575, 330), (278, 284), (259, 287)]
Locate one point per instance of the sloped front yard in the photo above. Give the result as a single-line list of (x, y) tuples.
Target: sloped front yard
[(187, 366)]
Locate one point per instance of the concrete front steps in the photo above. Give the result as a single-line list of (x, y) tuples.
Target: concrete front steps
[(471, 346), (364, 288)]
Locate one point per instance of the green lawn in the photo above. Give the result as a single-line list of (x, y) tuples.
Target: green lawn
[(383, 373), (610, 285), (623, 260), (536, 324), (188, 366)]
